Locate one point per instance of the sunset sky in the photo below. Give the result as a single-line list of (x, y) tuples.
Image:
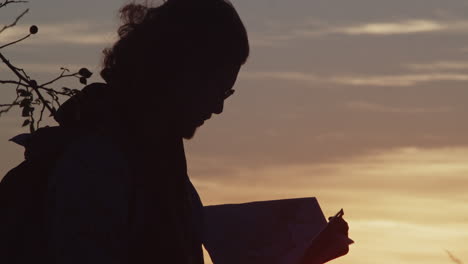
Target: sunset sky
[(362, 104)]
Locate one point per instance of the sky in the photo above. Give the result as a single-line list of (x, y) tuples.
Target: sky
[(360, 103)]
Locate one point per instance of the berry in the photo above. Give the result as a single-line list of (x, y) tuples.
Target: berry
[(33, 29)]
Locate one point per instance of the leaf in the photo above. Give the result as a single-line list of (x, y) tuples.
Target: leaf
[(25, 102), (26, 111), (54, 111), (24, 93), (85, 73), (83, 80), (26, 122), (67, 91)]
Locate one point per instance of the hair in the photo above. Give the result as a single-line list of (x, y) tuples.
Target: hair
[(154, 41)]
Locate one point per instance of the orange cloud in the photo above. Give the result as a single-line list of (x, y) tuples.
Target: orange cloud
[(403, 205)]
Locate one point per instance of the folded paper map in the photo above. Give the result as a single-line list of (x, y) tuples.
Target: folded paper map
[(273, 232)]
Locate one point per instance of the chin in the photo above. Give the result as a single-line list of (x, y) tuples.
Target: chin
[(188, 133), (187, 130)]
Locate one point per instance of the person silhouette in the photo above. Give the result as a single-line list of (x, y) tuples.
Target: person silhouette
[(120, 192)]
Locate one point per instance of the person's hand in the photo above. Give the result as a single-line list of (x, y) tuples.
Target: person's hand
[(332, 242), (336, 239)]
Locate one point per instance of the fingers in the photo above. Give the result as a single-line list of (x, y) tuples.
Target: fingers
[(339, 225), (342, 226)]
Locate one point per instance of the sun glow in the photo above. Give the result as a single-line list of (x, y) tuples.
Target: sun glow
[(401, 204)]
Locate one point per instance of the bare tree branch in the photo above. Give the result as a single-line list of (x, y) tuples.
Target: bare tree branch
[(28, 92), (31, 125), (6, 2), (13, 82), (23, 72), (31, 83), (40, 116), (51, 91), (17, 18), (61, 76), (8, 105), (16, 41)]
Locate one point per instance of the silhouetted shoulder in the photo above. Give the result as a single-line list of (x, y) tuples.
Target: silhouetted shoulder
[(89, 191), (93, 153)]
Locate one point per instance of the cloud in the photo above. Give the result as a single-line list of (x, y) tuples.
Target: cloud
[(306, 29), (399, 168), (280, 75), (439, 66), (373, 107), (401, 80), (78, 33), (397, 80), (388, 195), (392, 28)]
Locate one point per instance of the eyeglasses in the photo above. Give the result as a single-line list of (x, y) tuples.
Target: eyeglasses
[(228, 93)]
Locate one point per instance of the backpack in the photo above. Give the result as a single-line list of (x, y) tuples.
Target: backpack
[(24, 189), (23, 196)]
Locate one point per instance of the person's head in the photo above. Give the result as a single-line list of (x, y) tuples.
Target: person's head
[(176, 62)]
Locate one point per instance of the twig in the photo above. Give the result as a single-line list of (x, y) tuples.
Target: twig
[(40, 117), (25, 85), (32, 84), (50, 90), (15, 102), (31, 125), (11, 2), (16, 41), (62, 75), (23, 72), (8, 105), (13, 82), (17, 18)]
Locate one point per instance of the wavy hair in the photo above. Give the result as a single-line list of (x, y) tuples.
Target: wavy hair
[(154, 41)]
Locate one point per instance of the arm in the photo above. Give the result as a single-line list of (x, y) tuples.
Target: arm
[(89, 206)]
